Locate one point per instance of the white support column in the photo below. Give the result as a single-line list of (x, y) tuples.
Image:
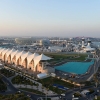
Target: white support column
[(34, 68), (42, 65)]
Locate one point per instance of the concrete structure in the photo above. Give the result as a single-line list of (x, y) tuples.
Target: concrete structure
[(25, 41), (83, 42), (84, 48), (44, 42), (34, 62), (42, 75), (88, 47)]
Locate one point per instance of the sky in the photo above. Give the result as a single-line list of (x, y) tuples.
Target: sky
[(63, 18)]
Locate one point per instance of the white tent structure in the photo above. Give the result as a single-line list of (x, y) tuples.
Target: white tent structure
[(88, 47), (19, 53), (2, 49), (39, 58), (13, 54), (24, 55), (9, 52), (4, 52), (30, 57), (42, 75), (25, 59)]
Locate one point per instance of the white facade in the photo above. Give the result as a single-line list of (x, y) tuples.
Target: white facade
[(23, 58)]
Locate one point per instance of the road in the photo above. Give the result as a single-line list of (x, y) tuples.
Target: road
[(34, 97), (12, 90)]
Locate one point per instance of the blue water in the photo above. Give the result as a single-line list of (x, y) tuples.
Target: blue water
[(75, 67)]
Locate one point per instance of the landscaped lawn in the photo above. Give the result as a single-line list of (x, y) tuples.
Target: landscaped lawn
[(48, 83), (7, 73), (32, 90), (67, 56), (16, 96), (63, 57), (22, 80), (76, 94)]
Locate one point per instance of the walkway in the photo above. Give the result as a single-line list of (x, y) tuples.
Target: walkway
[(39, 88)]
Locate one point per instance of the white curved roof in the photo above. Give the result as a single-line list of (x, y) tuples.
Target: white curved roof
[(4, 52), (32, 56), (36, 57), (19, 53), (13, 54), (24, 55), (1, 50), (9, 52), (39, 58)]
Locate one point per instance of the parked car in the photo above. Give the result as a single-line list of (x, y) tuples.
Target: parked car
[(29, 95), (63, 94), (19, 91)]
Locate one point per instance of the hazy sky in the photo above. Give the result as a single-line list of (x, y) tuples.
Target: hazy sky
[(66, 18)]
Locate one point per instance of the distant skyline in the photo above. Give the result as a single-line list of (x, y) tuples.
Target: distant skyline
[(63, 18)]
